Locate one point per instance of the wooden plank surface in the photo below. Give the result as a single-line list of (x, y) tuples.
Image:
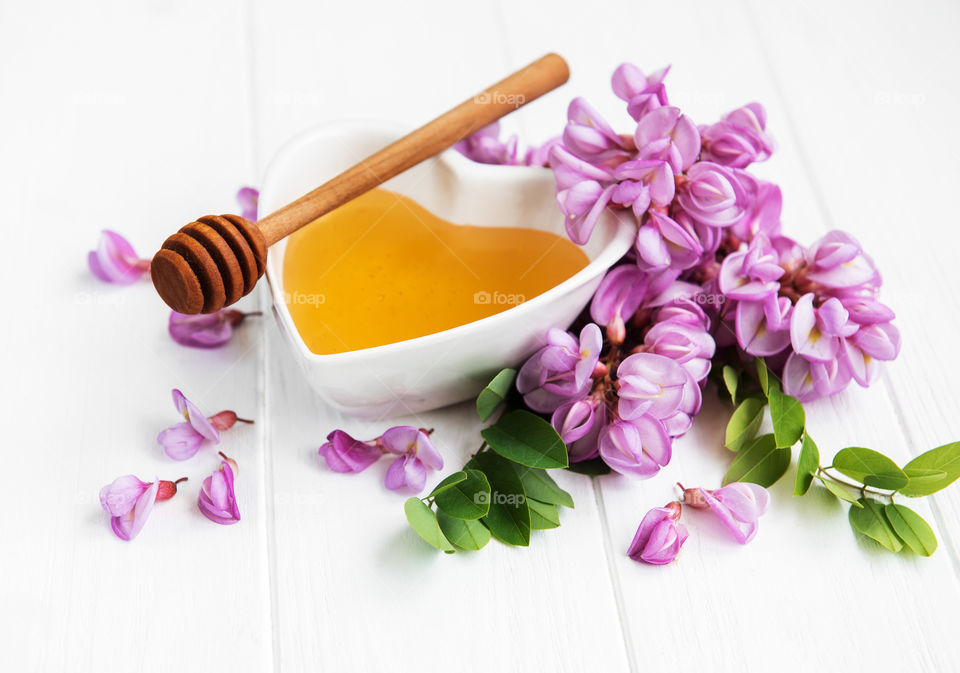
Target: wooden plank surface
[(140, 116)]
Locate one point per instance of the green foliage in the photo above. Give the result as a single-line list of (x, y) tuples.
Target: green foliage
[(922, 470), (808, 463), (761, 462), (787, 416), (870, 520), (731, 380), (870, 468), (912, 529), (494, 394), (422, 519), (464, 533), (509, 516), (763, 375), (468, 498), (839, 491), (744, 423), (539, 485), (543, 515), (525, 438)]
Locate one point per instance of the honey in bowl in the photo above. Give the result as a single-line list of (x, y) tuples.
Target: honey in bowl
[(382, 269)]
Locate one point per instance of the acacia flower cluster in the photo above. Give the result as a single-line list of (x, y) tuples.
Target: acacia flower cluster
[(624, 401), (415, 453)]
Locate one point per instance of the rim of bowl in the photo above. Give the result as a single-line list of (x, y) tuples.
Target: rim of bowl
[(619, 244)]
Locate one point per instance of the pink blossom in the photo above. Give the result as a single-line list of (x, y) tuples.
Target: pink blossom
[(619, 295), (753, 273), (739, 138), (659, 537), (651, 385), (210, 330), (639, 447), (183, 440), (561, 370), (738, 505), (668, 135), (589, 136), (712, 194), (218, 499), (129, 502), (644, 183), (642, 93), (343, 453), (417, 454), (249, 199), (115, 260)]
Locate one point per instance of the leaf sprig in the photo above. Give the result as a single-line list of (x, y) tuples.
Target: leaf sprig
[(872, 479), (504, 490)]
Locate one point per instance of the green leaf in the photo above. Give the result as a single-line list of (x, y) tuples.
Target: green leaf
[(539, 485), (424, 522), (944, 458), (761, 462), (839, 491), (731, 379), (464, 533), (491, 397), (527, 439), (921, 481), (870, 468), (744, 423), (912, 529), (467, 499), (509, 515), (594, 467), (786, 414), (543, 515), (448, 483), (807, 465), (870, 520), (763, 375)]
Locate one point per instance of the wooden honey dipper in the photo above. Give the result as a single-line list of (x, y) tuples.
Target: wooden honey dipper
[(212, 262)]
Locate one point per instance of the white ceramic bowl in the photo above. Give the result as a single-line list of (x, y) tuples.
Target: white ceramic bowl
[(450, 366)]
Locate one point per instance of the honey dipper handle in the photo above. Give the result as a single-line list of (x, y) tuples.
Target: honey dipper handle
[(523, 86)]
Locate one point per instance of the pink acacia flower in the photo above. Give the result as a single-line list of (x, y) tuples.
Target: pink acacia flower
[(643, 93), (486, 147), (343, 453), (662, 243), (712, 194), (738, 505), (837, 261), (753, 273), (183, 440), (561, 370), (639, 447), (739, 138), (129, 502), (115, 260), (590, 137), (659, 537), (249, 199), (416, 454), (642, 184), (653, 385), (583, 191), (668, 135), (618, 297), (218, 499), (210, 330)]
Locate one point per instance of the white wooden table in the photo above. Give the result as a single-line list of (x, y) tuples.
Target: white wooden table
[(140, 115)]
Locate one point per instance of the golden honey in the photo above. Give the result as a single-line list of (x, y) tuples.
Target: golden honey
[(383, 269)]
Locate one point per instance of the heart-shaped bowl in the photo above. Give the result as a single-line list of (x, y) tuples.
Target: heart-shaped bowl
[(453, 365)]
